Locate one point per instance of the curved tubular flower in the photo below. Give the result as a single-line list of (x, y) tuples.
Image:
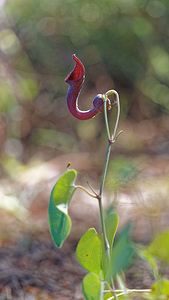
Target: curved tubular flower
[(75, 80)]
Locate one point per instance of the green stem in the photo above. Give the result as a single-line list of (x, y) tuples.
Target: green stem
[(106, 243), (111, 140), (105, 169), (83, 189), (135, 293), (113, 92), (105, 117), (129, 291)]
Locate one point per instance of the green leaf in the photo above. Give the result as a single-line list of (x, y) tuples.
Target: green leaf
[(104, 258), (88, 251), (126, 232), (160, 290), (159, 247), (92, 287), (59, 220), (110, 295), (111, 223), (59, 224), (121, 254), (64, 188), (151, 259)]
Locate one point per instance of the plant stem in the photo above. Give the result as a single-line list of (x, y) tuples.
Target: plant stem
[(113, 92), (105, 117), (105, 169), (106, 243), (111, 140), (135, 293), (83, 189), (130, 291)]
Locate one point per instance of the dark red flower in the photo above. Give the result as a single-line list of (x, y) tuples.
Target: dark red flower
[(75, 80)]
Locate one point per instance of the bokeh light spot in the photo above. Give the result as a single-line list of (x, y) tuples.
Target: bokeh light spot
[(155, 9), (9, 43)]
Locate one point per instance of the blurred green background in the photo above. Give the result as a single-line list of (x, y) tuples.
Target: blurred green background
[(124, 45)]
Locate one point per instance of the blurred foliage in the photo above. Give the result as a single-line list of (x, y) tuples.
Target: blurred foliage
[(159, 247), (121, 173), (124, 45), (160, 290), (128, 38)]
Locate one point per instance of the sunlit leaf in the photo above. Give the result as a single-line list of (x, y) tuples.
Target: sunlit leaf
[(108, 296), (92, 287), (159, 247), (88, 251), (160, 290), (64, 188)]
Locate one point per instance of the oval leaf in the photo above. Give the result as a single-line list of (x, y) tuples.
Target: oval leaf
[(88, 251), (59, 221), (92, 287)]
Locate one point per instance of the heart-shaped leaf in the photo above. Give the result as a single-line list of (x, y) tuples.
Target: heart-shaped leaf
[(88, 251), (59, 220)]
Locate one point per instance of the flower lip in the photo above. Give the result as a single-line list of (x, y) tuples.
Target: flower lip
[(78, 73)]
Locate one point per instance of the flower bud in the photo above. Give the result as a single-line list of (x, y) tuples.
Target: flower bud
[(98, 103)]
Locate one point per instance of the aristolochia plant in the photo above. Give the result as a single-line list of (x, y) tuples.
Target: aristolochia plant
[(96, 252)]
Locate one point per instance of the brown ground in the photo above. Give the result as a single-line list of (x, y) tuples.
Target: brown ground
[(35, 269), (31, 267)]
